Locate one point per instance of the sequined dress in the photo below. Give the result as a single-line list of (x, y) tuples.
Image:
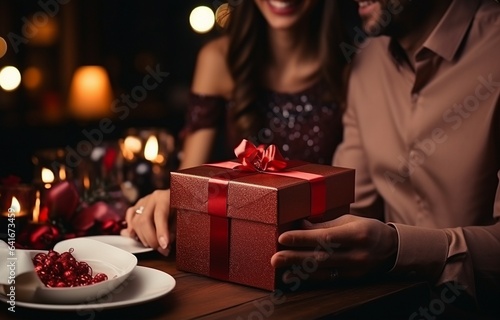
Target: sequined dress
[(300, 124)]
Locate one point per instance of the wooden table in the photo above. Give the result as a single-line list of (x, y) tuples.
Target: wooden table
[(198, 297)]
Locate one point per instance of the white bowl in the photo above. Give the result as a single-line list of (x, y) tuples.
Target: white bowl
[(116, 263)]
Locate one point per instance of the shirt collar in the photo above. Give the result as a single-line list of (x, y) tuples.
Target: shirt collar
[(449, 33)]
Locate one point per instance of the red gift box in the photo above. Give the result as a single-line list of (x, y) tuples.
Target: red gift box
[(229, 218)]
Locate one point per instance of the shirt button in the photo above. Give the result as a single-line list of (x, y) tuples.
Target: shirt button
[(417, 197), (416, 158), (422, 204), (412, 154)]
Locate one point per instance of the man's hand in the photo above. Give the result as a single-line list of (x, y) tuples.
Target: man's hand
[(353, 246)]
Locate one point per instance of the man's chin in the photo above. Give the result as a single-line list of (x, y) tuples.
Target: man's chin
[(374, 28), (372, 31)]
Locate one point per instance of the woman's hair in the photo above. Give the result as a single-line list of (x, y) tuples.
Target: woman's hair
[(248, 42)]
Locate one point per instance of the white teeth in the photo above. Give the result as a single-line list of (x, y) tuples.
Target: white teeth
[(363, 4), (280, 4)]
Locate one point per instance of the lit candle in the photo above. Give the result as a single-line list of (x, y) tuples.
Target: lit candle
[(131, 145), (15, 208), (36, 210), (151, 149), (86, 182), (62, 173), (16, 205), (47, 177)]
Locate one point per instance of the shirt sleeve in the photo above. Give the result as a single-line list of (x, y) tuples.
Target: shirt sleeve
[(468, 256), (204, 111)]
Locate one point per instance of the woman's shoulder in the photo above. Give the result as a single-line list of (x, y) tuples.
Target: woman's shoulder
[(216, 48), (212, 76)]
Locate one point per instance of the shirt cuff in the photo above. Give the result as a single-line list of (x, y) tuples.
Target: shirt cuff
[(421, 251)]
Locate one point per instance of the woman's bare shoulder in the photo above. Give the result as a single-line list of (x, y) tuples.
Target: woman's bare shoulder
[(217, 47), (212, 75)]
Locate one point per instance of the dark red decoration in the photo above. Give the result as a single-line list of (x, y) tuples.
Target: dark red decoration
[(38, 236), (109, 160), (259, 158), (62, 199), (11, 180), (69, 212), (63, 270)]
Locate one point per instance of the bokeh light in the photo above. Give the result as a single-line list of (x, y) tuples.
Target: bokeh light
[(41, 30), (222, 15), (3, 47), (10, 78), (32, 78), (202, 19)]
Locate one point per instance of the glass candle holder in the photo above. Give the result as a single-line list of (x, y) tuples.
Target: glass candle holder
[(16, 207), (50, 167), (149, 154)]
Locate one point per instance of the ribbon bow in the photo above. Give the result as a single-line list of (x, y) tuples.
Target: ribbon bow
[(259, 158)]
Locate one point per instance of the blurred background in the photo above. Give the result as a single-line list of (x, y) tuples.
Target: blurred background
[(68, 61)]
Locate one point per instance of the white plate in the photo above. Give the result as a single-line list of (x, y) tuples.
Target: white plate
[(122, 242), (143, 284)]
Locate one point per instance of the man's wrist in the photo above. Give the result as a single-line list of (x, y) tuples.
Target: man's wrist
[(421, 251)]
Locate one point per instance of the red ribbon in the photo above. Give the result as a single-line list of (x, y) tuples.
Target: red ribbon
[(259, 158), (253, 160), (219, 228), (318, 189)]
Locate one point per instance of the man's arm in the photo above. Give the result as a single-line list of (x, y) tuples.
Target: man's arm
[(468, 256)]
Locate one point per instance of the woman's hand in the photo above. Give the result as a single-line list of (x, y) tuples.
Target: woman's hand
[(151, 221), (348, 247)]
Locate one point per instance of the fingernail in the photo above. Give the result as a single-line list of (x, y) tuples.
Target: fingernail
[(163, 242), (163, 251), (125, 233)]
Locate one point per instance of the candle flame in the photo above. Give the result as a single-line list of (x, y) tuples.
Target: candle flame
[(47, 175), (36, 210), (86, 182), (15, 206), (151, 148), (62, 173), (132, 144)]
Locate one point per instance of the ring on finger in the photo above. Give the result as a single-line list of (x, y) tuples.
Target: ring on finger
[(139, 210)]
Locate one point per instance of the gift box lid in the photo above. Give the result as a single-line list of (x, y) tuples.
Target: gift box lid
[(267, 197)]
